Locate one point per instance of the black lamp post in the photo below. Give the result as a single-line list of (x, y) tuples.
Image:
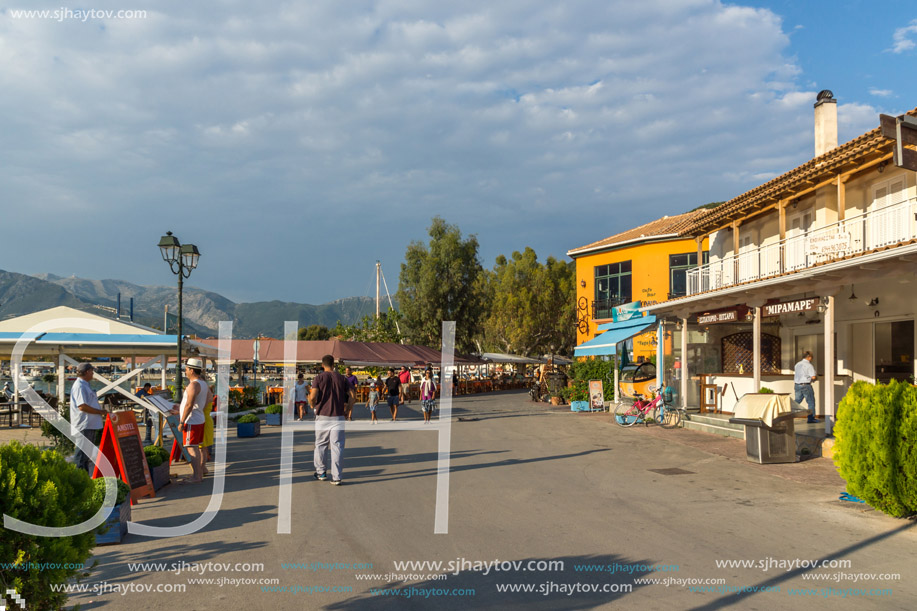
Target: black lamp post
[(182, 258)]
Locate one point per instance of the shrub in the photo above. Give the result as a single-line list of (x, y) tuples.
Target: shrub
[(42, 488), (874, 451), (60, 441), (155, 456), (273, 409), (248, 418), (98, 491), (587, 369)]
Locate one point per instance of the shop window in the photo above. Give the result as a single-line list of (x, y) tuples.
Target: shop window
[(738, 353), (612, 287), (894, 351), (679, 265)]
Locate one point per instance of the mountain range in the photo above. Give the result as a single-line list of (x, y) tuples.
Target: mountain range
[(203, 310)]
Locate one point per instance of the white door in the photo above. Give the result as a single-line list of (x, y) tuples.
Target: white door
[(888, 218), (798, 226)]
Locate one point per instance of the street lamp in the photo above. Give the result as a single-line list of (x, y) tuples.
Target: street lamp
[(182, 258)]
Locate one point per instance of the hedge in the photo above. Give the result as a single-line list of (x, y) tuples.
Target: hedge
[(40, 487), (876, 433)]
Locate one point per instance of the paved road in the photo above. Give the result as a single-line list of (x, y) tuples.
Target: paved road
[(528, 484)]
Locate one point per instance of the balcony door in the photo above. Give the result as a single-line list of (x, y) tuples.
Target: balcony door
[(798, 226), (888, 216)]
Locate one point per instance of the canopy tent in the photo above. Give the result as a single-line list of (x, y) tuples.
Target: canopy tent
[(614, 333), (500, 357), (353, 353)]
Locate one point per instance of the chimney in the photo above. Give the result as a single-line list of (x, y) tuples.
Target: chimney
[(825, 122)]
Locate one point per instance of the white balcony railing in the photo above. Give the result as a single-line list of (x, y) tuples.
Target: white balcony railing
[(855, 235)]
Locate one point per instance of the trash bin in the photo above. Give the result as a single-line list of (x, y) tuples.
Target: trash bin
[(770, 431)]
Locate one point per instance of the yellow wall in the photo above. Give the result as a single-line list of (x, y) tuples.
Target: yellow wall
[(649, 281)]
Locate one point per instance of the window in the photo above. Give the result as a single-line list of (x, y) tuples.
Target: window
[(612, 287), (678, 272)]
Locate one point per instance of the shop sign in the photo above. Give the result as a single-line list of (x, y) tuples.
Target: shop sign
[(829, 244), (718, 317), (790, 307)]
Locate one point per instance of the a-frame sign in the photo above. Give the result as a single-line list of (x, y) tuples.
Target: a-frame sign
[(122, 445)]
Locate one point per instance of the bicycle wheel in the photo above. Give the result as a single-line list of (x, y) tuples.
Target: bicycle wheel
[(627, 414), (671, 417)]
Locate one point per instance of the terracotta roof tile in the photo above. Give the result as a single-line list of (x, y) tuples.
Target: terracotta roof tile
[(667, 225), (872, 144)]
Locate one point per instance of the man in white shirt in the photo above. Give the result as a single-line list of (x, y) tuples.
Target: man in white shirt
[(86, 415), (802, 383)]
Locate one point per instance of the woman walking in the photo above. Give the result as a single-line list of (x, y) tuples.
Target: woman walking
[(427, 395)]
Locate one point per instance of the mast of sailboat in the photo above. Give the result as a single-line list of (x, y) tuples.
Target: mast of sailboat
[(378, 274)]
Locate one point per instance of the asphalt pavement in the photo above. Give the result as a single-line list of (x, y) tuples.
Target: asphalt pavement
[(578, 511)]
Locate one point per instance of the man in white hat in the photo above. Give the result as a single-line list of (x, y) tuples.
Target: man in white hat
[(191, 417), (86, 415)]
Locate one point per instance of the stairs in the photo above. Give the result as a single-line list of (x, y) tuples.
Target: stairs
[(714, 424)]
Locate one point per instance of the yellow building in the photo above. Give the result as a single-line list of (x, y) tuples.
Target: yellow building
[(646, 264)]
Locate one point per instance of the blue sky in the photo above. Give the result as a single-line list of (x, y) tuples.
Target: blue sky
[(298, 142)]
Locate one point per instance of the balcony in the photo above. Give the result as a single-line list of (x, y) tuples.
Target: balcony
[(602, 308), (853, 236)]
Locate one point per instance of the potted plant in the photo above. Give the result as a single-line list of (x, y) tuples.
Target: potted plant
[(274, 415), (248, 425), (115, 526), (158, 460)]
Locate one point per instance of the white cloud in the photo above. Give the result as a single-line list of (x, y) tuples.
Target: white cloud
[(285, 120), (882, 93), (902, 39)]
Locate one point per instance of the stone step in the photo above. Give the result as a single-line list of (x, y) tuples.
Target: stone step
[(715, 421), (723, 431)]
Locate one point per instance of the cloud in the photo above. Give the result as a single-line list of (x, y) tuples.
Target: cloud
[(293, 131), (882, 93), (902, 38)]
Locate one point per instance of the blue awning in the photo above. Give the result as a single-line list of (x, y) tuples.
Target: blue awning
[(615, 333)]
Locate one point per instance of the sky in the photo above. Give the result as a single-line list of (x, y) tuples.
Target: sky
[(296, 143)]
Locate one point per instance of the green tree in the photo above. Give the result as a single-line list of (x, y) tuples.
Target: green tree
[(441, 281), (314, 332), (531, 306), (372, 329)]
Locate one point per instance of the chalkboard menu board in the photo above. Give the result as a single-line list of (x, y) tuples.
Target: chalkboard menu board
[(122, 445)]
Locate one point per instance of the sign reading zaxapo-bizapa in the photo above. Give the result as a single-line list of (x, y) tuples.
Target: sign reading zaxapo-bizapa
[(790, 307)]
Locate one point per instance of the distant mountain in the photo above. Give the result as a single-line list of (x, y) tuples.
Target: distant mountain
[(203, 310), (19, 294)]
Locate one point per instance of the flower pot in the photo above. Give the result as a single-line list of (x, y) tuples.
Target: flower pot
[(625, 419), (555, 400), (273, 419), (160, 475), (115, 526), (248, 429), (579, 406)]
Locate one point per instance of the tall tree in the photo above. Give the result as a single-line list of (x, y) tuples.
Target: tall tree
[(372, 329), (314, 332), (531, 306), (441, 281)]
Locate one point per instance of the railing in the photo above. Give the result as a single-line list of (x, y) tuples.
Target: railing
[(601, 308), (855, 235)]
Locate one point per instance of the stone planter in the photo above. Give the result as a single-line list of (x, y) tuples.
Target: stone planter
[(160, 475), (248, 429), (273, 419), (116, 524)]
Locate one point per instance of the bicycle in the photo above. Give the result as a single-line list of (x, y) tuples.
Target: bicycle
[(646, 411)]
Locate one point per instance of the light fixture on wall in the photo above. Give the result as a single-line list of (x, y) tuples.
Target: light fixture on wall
[(795, 203), (882, 165), (582, 283), (853, 295), (873, 302), (822, 305)]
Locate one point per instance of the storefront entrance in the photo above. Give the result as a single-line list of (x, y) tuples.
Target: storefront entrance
[(883, 351)]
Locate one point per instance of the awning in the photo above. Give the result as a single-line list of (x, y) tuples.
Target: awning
[(615, 333)]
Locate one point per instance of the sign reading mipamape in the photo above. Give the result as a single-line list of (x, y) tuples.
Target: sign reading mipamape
[(790, 307), (829, 244)]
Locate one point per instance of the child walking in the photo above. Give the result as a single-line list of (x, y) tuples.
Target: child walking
[(373, 401)]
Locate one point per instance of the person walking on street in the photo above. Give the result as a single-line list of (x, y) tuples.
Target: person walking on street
[(191, 418), (353, 381), (146, 391), (86, 415), (301, 397), (427, 395), (803, 378), (331, 396), (393, 386), (405, 377), (373, 400)]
